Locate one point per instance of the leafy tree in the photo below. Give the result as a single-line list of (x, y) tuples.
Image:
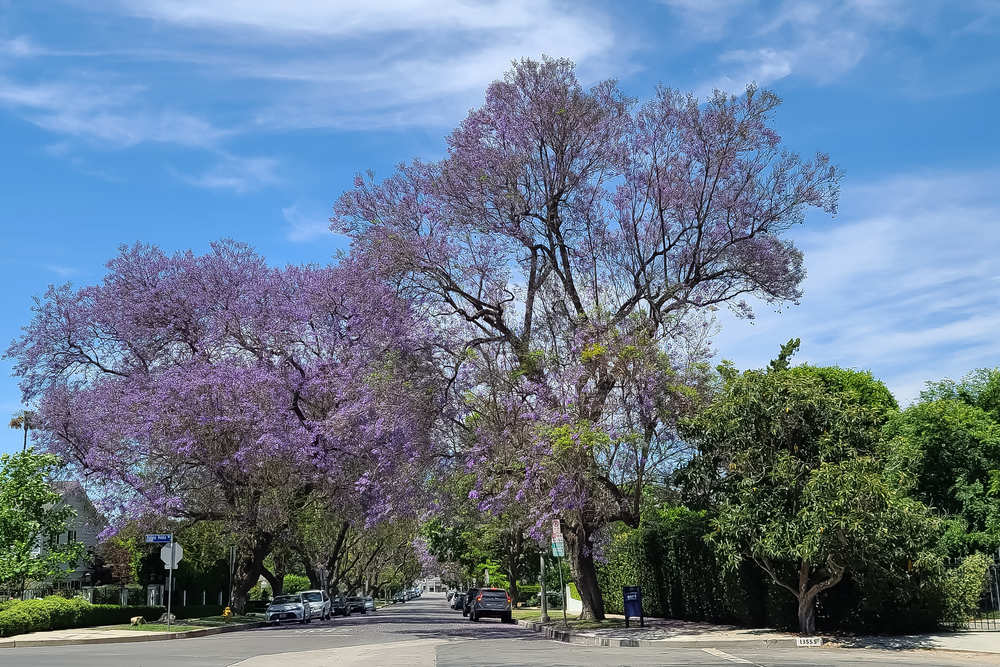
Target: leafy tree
[(950, 443), (32, 516), (808, 494), (574, 236), (216, 388)]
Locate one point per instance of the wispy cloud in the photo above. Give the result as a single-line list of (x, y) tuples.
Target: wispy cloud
[(816, 40), (60, 270), (380, 64), (903, 285), (233, 172), (303, 227), (108, 114)]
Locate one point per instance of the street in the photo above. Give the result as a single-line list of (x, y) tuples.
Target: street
[(426, 632)]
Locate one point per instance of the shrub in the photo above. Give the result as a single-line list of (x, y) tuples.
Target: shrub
[(56, 613), (963, 588), (198, 611), (680, 574), (294, 583)]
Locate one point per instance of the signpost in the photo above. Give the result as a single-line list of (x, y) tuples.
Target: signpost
[(559, 550), (170, 554)]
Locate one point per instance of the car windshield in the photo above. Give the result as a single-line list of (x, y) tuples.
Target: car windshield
[(495, 594), (313, 597), (286, 599)]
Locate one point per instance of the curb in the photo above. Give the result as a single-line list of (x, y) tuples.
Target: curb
[(571, 637), (159, 637)]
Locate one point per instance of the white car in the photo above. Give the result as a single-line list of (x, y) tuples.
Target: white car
[(320, 603), (289, 608)]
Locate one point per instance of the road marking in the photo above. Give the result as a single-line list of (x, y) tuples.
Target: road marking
[(725, 656)]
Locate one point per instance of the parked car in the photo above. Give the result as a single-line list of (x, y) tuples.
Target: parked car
[(399, 597), (320, 603), (491, 602), (289, 608), (449, 595), (357, 605), (470, 595), (458, 601), (369, 604), (338, 605)]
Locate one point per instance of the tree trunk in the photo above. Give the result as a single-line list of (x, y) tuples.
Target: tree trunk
[(248, 571), (277, 581), (584, 570), (807, 614)]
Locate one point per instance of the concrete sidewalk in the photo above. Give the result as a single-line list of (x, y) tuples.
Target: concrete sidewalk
[(667, 633), (110, 635)]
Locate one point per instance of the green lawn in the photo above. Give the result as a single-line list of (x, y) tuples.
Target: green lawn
[(156, 627), (556, 619), (190, 624)]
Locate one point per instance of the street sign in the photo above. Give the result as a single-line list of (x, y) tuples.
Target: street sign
[(159, 538), (178, 553), (558, 548), (556, 530)]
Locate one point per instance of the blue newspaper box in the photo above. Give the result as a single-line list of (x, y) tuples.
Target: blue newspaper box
[(632, 595)]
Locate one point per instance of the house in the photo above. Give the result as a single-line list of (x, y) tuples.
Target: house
[(84, 528)]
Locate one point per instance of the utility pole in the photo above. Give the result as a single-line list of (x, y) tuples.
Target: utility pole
[(232, 566), (545, 598)]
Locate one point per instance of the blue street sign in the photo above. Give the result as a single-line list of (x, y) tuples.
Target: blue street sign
[(162, 538)]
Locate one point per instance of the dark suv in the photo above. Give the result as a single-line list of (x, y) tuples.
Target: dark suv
[(491, 602)]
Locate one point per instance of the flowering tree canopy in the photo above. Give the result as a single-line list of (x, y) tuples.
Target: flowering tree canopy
[(567, 245), (217, 388)]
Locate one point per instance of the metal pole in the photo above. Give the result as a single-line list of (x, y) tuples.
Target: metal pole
[(562, 586), (232, 566), (170, 581), (545, 600)]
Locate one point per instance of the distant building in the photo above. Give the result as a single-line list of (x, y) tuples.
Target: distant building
[(84, 528), (431, 585)]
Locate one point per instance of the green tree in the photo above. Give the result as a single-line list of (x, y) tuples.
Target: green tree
[(807, 493), (950, 443), (32, 517)]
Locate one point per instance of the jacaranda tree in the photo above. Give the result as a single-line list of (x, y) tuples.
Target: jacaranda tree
[(573, 237), (216, 388)]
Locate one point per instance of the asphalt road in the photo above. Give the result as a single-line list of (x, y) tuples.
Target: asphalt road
[(426, 632)]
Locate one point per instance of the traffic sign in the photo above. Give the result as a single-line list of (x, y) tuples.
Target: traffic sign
[(158, 538), (556, 530), (558, 548), (165, 556)]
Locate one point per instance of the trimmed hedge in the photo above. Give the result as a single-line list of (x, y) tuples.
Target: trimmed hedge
[(57, 613), (680, 575), (198, 611)]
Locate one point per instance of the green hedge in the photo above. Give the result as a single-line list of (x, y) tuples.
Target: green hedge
[(680, 575), (57, 613), (198, 611)]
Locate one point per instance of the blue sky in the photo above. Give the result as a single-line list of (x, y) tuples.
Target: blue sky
[(178, 122)]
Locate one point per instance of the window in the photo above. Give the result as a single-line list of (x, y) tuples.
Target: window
[(70, 536)]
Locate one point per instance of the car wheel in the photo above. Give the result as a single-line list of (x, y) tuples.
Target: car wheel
[(474, 617), (508, 618)]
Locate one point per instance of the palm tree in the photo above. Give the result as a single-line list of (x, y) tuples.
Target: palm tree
[(23, 420)]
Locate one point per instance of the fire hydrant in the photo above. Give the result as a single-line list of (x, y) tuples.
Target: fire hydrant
[(227, 613)]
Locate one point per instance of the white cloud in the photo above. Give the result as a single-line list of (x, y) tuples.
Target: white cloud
[(903, 285), (819, 40), (236, 173), (113, 116), (302, 227), (380, 64), (60, 270)]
